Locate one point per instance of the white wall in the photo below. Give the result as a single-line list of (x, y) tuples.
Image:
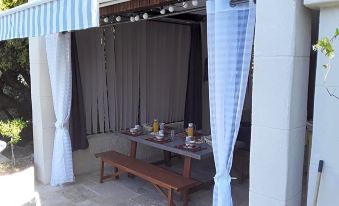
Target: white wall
[(325, 142), (42, 110), (279, 105)]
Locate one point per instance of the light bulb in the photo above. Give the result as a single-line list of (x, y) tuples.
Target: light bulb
[(137, 18), (145, 16), (132, 19), (106, 20), (162, 11), (195, 2), (185, 5), (171, 9), (118, 18)]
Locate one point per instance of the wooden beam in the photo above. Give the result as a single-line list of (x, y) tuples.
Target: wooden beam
[(134, 6)]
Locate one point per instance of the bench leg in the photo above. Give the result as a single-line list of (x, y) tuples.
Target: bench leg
[(133, 154), (167, 158), (170, 198), (116, 170), (185, 197), (102, 168)]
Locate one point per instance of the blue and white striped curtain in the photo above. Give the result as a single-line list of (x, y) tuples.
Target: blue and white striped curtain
[(230, 38), (43, 17)]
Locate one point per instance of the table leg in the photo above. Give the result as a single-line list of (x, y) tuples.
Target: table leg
[(102, 168), (133, 149), (133, 154), (187, 167), (187, 173), (167, 158)]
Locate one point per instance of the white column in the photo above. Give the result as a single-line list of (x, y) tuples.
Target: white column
[(282, 48), (42, 110), (325, 143)]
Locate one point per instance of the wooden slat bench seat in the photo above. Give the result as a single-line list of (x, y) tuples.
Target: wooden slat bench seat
[(159, 177)]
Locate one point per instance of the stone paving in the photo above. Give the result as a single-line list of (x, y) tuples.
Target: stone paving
[(87, 191)]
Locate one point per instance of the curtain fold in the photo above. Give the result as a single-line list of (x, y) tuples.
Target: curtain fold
[(58, 48), (77, 127), (230, 38), (93, 75), (193, 105), (124, 72), (164, 79)]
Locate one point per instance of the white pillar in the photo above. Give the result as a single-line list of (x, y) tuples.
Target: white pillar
[(280, 85), (325, 143), (42, 110)]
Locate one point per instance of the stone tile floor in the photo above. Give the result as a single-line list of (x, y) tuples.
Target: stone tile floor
[(87, 191)]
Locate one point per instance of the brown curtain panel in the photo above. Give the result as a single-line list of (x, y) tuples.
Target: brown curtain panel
[(77, 121)]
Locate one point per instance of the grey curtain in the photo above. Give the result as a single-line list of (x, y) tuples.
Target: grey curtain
[(124, 52), (77, 119), (193, 107), (133, 73), (164, 79), (93, 76)]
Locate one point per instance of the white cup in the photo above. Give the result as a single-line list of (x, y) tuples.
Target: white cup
[(162, 126), (188, 138), (161, 133)]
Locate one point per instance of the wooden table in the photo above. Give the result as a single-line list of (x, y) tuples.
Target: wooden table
[(170, 148)]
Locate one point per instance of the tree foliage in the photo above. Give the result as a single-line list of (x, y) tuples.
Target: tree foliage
[(15, 97), (12, 129), (7, 4)]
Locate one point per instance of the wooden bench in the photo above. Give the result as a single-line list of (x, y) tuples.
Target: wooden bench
[(159, 177)]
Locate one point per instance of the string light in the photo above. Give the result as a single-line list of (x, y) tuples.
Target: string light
[(185, 5), (162, 11), (132, 19), (106, 19), (195, 2), (145, 16), (171, 9), (137, 18), (118, 18)]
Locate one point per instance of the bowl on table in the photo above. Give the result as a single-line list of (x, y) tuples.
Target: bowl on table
[(190, 144), (159, 137)]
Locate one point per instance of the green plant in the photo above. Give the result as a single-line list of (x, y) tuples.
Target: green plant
[(15, 91), (325, 46), (11, 129)]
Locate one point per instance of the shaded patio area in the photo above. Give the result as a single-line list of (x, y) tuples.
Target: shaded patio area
[(124, 192)]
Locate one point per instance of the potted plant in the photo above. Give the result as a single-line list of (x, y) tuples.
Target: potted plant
[(11, 129)]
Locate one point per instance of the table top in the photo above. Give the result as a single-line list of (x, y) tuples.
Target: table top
[(171, 146)]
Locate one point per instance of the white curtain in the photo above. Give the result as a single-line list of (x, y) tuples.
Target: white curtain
[(58, 48), (230, 38)]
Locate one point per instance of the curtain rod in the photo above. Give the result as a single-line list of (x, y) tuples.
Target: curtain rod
[(158, 16), (177, 21), (234, 3)]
